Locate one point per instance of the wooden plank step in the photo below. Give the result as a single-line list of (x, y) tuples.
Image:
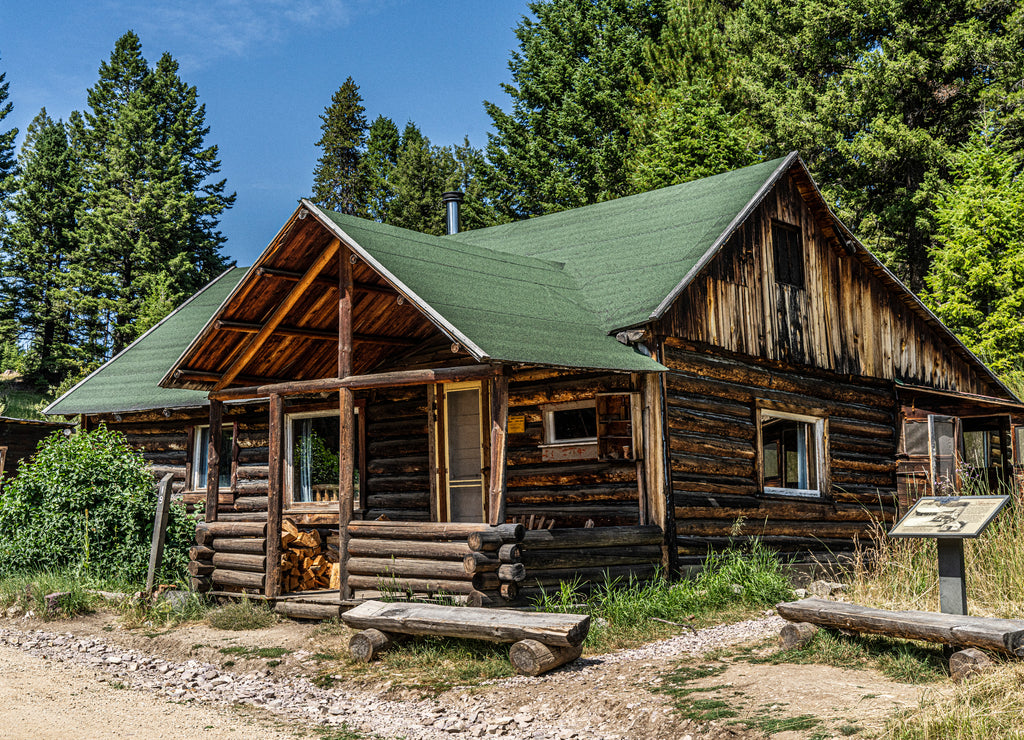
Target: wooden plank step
[(494, 625), (1000, 635)]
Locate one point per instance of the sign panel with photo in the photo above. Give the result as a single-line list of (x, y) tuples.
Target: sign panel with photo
[(949, 516)]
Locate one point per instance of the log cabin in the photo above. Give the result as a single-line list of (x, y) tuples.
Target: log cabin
[(19, 438), (613, 390)]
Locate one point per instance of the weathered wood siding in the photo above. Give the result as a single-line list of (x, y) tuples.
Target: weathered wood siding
[(570, 492), (845, 320), (711, 422)]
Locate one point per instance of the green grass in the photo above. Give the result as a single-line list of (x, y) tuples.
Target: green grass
[(242, 614), (733, 585), (898, 660), (20, 403), (27, 592)]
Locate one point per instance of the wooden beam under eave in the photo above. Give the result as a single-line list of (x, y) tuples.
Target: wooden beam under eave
[(358, 286), (256, 342), (250, 327)]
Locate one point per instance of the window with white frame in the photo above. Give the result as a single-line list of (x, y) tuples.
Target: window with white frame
[(201, 461), (570, 423), (793, 453), (314, 460)]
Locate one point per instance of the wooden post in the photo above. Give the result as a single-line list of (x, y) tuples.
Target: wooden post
[(213, 460), (499, 437), (346, 410), (275, 496), (163, 511)]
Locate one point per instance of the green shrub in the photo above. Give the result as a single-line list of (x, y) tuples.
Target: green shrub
[(85, 501)]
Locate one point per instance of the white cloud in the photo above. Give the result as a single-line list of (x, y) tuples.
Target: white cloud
[(211, 29)]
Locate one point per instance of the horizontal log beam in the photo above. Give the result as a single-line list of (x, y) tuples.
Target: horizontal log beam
[(251, 327), (328, 281), (362, 382), (1000, 635)]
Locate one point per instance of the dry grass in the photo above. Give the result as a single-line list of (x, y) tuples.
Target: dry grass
[(903, 573)]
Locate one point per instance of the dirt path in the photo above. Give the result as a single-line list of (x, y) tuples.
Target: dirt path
[(620, 695), (51, 699)]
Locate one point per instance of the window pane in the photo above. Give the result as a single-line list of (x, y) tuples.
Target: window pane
[(789, 453), (315, 460), (1019, 436), (200, 460), (226, 443), (575, 423)]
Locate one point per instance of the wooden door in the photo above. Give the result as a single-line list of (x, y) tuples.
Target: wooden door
[(461, 453)]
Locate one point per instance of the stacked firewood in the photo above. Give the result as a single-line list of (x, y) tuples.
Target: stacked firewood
[(306, 563)]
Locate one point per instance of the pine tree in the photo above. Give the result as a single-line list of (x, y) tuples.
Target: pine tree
[(338, 182), (8, 164), (877, 96), (378, 165), (976, 281), (688, 122), (565, 140), (418, 180), (40, 248), (150, 209)]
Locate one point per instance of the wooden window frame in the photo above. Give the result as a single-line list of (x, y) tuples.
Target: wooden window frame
[(808, 415), (548, 412), (196, 445), (291, 506), (778, 227)]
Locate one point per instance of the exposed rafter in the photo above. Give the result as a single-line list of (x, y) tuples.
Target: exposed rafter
[(253, 346), (250, 327), (356, 285)]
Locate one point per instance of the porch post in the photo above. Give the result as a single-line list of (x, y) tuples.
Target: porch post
[(346, 410), (213, 460), (499, 433), (275, 492)]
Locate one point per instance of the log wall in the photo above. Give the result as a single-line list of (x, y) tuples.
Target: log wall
[(846, 319), (568, 492), (21, 438), (716, 489), (397, 482)]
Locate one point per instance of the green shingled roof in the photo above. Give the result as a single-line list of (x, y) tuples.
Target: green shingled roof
[(509, 307), (628, 255), (129, 382)]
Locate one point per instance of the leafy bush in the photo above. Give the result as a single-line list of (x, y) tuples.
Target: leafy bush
[(86, 501)]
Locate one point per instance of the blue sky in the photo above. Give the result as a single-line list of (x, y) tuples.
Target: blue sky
[(265, 69)]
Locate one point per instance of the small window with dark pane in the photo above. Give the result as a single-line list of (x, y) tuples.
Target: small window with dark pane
[(789, 254)]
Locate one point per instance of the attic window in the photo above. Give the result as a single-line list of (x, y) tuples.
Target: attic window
[(788, 250)]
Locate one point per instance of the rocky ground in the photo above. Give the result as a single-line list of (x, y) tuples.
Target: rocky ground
[(607, 696)]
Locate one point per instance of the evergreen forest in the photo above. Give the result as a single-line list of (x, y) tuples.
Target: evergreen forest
[(910, 117)]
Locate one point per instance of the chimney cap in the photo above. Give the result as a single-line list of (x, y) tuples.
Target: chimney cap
[(452, 195)]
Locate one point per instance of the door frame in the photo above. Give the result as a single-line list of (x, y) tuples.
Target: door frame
[(441, 494)]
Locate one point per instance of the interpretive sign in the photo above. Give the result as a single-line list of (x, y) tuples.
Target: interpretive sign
[(950, 520), (949, 516)]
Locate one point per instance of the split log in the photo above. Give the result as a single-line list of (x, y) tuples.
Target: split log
[(532, 658), (237, 578), (494, 625), (796, 634), (367, 645), (1000, 635), (592, 537)]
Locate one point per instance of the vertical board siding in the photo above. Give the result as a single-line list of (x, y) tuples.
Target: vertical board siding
[(844, 319), (711, 424)]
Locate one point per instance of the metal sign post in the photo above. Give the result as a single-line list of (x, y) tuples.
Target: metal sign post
[(950, 520)]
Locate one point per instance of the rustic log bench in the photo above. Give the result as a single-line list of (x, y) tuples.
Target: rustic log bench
[(541, 641), (998, 635)]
